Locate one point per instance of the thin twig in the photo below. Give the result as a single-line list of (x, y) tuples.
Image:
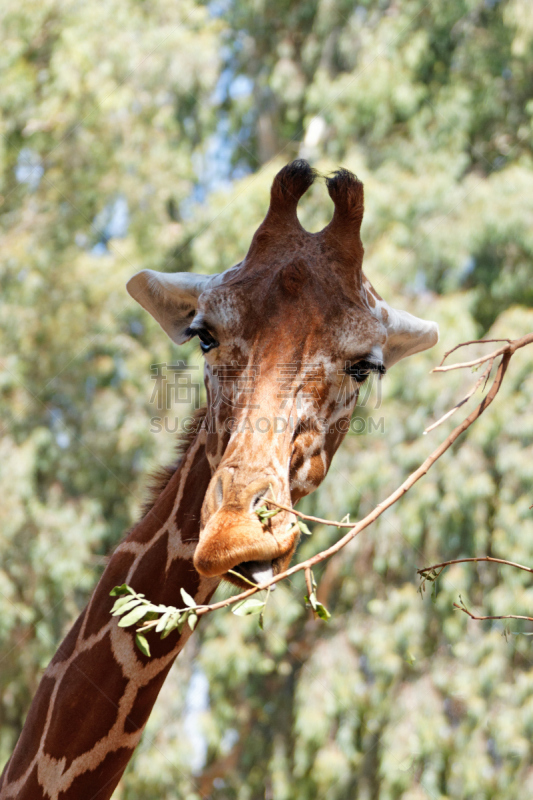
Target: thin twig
[(490, 616), (511, 348), (484, 377), (331, 522), (472, 341), (425, 573), (445, 564), (309, 581)]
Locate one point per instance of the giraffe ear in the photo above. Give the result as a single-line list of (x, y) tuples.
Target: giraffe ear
[(170, 297), (406, 334)]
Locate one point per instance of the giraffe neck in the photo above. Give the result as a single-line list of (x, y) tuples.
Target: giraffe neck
[(97, 693)]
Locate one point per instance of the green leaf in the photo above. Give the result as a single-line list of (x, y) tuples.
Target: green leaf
[(119, 590), (133, 616), (192, 619), (319, 609), (265, 513), (322, 611), (174, 622), (262, 614), (121, 602), (142, 643), (153, 609), (303, 527), (247, 607), (126, 604), (161, 625), (187, 599)]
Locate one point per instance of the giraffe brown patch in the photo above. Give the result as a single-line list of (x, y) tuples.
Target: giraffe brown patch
[(297, 460), (115, 575), (188, 513), (211, 444), (66, 648), (316, 471), (77, 724), (32, 789), (154, 520), (384, 315), (99, 783), (370, 298), (183, 573), (149, 576), (30, 737), (333, 440), (144, 702)]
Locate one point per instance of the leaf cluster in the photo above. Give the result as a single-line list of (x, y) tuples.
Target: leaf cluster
[(134, 608)]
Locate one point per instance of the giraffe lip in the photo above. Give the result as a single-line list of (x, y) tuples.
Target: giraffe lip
[(256, 571)]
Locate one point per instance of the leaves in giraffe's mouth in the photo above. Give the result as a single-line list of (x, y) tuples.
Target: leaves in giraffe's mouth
[(265, 513)]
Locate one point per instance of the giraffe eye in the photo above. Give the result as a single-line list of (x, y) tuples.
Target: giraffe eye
[(207, 340), (362, 369)]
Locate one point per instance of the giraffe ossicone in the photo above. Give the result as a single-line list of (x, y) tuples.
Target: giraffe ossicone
[(289, 336), (287, 324)]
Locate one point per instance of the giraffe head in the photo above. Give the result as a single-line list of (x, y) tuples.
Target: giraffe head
[(289, 335)]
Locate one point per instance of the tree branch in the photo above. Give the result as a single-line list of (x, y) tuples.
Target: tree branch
[(465, 344), (484, 377), (436, 570), (354, 529), (510, 348)]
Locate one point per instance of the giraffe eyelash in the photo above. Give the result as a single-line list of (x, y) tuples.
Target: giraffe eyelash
[(207, 340), (360, 371)]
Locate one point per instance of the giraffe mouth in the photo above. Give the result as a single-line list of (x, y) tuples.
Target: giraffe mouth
[(255, 572)]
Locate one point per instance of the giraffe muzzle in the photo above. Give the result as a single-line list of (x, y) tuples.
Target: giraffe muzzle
[(233, 537)]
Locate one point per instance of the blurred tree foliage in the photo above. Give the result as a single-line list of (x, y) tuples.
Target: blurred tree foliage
[(145, 134)]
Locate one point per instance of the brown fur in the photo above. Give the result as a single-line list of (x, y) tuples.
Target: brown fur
[(343, 233), (290, 184), (294, 276), (347, 193)]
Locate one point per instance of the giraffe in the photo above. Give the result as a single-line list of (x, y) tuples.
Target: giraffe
[(289, 336)]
